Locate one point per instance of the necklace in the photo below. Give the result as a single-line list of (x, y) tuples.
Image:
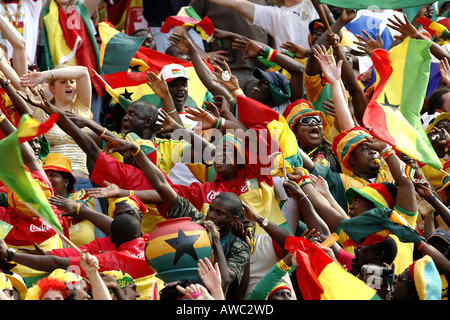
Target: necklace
[(16, 21)]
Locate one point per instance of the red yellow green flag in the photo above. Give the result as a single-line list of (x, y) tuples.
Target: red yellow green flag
[(187, 16), (13, 172), (436, 28), (320, 278), (126, 87), (69, 38), (273, 130), (117, 48), (393, 113)]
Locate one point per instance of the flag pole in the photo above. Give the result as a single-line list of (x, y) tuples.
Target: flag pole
[(62, 236), (322, 15), (447, 174)]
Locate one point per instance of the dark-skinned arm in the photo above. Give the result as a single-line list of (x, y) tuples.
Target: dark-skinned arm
[(312, 66), (39, 262)]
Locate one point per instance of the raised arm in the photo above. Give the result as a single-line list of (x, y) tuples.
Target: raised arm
[(333, 74), (79, 73), (151, 172), (295, 68)]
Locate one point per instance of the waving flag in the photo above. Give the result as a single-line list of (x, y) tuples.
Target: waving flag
[(126, 87), (13, 172), (273, 129), (117, 48), (438, 29), (320, 278), (187, 16), (393, 113)]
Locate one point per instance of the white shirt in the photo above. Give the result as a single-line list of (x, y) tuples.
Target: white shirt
[(286, 23), (28, 20)]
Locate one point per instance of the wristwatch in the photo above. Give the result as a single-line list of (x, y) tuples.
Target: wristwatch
[(265, 222), (11, 252)]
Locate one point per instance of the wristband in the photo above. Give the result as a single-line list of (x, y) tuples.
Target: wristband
[(237, 92), (78, 208), (283, 266), (303, 180), (222, 123), (217, 123), (170, 112), (7, 82), (131, 193), (268, 54), (421, 246), (2, 117)]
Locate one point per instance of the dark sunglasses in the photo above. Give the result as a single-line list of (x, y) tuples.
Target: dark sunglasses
[(308, 120)]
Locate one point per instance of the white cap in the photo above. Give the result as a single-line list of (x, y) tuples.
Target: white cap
[(172, 71)]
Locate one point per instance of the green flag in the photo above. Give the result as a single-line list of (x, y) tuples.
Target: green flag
[(14, 175)]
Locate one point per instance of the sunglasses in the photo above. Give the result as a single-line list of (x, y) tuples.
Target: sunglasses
[(308, 120)]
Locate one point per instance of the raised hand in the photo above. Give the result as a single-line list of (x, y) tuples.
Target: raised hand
[(404, 27), (244, 44), (369, 44), (158, 85), (330, 69), (300, 52), (205, 118), (168, 124), (444, 68), (110, 191)]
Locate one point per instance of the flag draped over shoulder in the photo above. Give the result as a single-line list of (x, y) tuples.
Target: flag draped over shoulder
[(380, 4), (375, 225), (69, 38), (187, 16), (126, 87), (117, 48), (273, 130), (13, 172), (320, 278), (393, 113)]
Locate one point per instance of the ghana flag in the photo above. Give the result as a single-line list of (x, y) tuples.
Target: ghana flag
[(187, 16), (393, 113), (378, 4), (273, 131), (320, 278), (117, 48), (126, 87), (13, 172), (131, 85)]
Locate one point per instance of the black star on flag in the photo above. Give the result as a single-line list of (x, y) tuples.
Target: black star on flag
[(126, 94), (387, 104), (183, 244)]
